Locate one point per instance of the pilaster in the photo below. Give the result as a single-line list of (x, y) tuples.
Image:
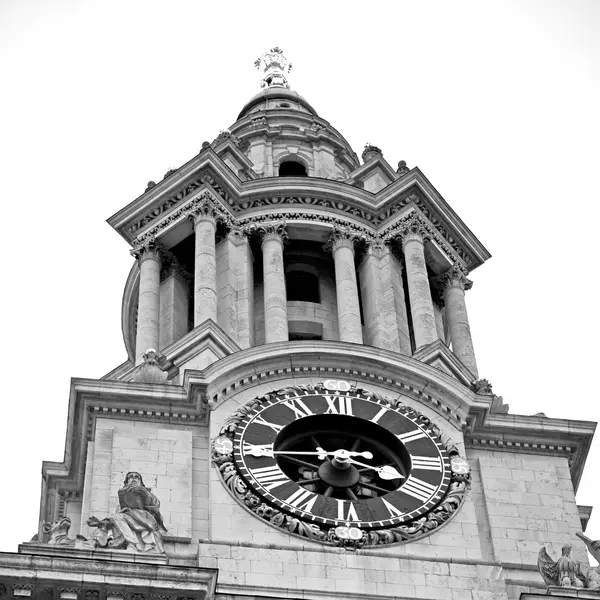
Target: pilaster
[(235, 287)]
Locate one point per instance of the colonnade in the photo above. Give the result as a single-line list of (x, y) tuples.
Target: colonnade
[(385, 307)]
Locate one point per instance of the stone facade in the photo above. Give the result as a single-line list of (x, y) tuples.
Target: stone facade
[(146, 506)]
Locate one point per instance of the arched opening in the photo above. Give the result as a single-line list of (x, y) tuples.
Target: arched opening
[(291, 168), (302, 283)]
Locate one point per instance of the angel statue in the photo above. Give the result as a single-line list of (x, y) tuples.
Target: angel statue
[(566, 572)]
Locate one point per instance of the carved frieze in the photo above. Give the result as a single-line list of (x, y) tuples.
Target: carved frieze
[(371, 217)]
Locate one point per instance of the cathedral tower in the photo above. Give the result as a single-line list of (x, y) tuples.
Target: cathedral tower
[(300, 414)]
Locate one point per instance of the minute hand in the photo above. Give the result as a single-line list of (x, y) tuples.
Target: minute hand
[(386, 472)]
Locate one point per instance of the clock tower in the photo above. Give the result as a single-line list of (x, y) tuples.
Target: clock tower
[(300, 414)]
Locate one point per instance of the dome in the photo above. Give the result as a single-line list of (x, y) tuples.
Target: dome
[(277, 92)]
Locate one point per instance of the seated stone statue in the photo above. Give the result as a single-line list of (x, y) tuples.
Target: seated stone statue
[(138, 524)]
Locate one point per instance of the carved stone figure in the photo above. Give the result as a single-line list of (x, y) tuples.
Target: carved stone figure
[(149, 371), (567, 572), (57, 534), (137, 525)]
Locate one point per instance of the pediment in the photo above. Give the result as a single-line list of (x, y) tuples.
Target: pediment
[(438, 355)]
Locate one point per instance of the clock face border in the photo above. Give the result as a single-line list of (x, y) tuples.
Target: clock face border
[(432, 494)]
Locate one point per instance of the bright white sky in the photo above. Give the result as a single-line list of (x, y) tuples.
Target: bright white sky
[(497, 103)]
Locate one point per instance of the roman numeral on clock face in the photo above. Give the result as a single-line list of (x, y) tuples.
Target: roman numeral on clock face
[(257, 449), (269, 477), (394, 512), (302, 500), (421, 490), (379, 415), (300, 409), (260, 421), (346, 514), (411, 436), (338, 405), (427, 463)]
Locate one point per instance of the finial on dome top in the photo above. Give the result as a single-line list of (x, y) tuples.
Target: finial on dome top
[(274, 66)]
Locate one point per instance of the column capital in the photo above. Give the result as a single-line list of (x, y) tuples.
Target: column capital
[(455, 276), (148, 249), (238, 235), (341, 238), (269, 231), (205, 208), (412, 227), (175, 269)]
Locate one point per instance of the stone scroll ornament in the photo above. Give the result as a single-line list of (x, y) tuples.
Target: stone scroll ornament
[(340, 465)]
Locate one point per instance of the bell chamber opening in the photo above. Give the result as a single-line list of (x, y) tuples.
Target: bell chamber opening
[(291, 168)]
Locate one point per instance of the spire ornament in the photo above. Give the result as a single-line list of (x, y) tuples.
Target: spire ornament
[(274, 66)]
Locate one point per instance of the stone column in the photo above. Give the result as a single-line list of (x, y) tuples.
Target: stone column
[(342, 246), (400, 304), (275, 297), (205, 267), (147, 334), (421, 304), (455, 283)]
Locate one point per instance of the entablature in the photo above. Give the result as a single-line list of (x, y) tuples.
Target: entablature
[(377, 213), (535, 434)]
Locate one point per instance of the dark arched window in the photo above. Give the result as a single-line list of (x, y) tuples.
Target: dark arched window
[(290, 168), (302, 286)]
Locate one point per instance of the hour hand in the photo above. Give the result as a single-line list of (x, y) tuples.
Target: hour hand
[(387, 472)]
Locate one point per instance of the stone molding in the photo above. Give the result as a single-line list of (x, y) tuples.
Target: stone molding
[(122, 576), (206, 204), (410, 193)]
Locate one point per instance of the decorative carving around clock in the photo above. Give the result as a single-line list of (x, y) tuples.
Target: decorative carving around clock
[(341, 465)]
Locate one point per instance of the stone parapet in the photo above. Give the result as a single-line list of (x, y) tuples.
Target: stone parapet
[(99, 575)]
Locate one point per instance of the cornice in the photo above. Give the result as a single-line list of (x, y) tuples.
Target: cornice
[(329, 197), (529, 434)]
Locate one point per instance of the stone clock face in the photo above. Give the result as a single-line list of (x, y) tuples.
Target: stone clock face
[(333, 456)]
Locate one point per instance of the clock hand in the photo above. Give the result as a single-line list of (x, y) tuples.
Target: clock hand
[(386, 472), (322, 454)]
